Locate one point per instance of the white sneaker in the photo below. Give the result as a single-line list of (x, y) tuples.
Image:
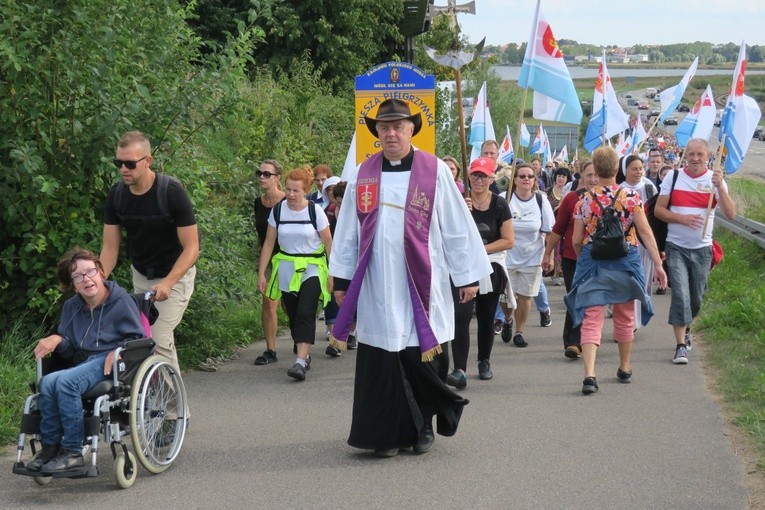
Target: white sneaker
[(681, 355)]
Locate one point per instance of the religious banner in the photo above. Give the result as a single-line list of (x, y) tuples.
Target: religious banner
[(395, 80)]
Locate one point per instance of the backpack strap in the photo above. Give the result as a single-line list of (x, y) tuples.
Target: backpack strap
[(311, 215), (539, 200), (121, 196)]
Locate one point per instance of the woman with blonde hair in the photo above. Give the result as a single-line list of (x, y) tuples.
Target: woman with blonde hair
[(268, 175), (614, 276)]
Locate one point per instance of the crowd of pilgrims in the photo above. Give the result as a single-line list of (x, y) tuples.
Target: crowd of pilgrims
[(525, 216)]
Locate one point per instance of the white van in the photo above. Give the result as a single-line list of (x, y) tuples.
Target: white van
[(651, 92), (718, 117)]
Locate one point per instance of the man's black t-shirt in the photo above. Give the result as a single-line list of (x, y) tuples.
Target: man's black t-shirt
[(153, 245)]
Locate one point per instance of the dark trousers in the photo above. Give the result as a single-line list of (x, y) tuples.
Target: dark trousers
[(571, 334), (485, 306), (301, 310)]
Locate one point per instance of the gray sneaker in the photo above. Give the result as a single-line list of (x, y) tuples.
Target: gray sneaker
[(681, 355)]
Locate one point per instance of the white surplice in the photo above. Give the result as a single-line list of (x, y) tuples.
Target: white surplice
[(385, 318)]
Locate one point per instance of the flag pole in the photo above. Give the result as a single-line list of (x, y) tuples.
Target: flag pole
[(718, 161), (520, 130), (463, 143), (648, 134)]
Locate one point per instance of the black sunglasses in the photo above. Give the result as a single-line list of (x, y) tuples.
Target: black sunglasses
[(266, 175), (130, 165)]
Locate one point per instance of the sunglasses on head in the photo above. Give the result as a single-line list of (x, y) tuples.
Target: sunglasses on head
[(265, 175), (130, 165)]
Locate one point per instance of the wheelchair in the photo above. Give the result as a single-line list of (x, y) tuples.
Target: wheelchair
[(145, 399)]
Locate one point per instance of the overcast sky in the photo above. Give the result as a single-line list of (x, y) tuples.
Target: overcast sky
[(619, 22)]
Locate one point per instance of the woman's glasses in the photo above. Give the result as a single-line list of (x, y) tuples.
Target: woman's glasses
[(130, 165), (79, 277), (264, 175)]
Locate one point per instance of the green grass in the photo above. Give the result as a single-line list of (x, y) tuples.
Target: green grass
[(731, 321), (17, 370)]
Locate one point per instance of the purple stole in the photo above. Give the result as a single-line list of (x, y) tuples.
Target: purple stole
[(417, 217)]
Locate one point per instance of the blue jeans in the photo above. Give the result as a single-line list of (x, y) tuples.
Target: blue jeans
[(688, 274), (61, 402), (540, 300)]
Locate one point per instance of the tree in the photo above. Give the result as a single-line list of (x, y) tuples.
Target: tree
[(342, 37), (77, 74)]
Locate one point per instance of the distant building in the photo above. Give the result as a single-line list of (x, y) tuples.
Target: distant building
[(640, 57)]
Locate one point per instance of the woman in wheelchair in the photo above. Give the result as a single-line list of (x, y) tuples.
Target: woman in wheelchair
[(93, 321)]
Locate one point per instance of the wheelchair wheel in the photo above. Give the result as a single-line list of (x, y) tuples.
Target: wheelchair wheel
[(157, 413), (124, 472)]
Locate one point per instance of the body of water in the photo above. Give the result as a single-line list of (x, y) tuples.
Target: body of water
[(511, 73)]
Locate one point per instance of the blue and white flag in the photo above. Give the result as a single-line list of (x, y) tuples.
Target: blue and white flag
[(481, 126), (544, 70), (506, 151), (739, 119), (525, 135), (700, 120), (539, 142), (606, 110), (670, 98)]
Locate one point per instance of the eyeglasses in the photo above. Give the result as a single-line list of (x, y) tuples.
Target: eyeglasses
[(525, 176), (478, 176), (79, 277), (130, 165), (264, 175)]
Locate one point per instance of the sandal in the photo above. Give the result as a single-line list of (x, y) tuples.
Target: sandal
[(267, 357)]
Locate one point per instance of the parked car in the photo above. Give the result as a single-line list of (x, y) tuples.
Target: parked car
[(758, 132), (670, 121), (632, 102), (655, 112), (643, 105), (628, 96), (682, 107)]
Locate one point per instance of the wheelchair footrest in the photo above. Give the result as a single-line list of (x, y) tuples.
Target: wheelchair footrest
[(88, 471)]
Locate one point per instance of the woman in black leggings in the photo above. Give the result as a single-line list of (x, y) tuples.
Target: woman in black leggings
[(492, 217)]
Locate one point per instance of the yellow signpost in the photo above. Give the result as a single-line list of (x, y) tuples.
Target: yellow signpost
[(395, 80)]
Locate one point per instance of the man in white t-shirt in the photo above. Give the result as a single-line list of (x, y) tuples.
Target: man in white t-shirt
[(689, 244)]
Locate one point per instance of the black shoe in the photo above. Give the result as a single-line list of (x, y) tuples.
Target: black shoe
[(386, 454), (64, 461), (297, 371), (589, 386), (352, 342), (332, 351), (519, 341), (544, 319), (267, 357), (47, 454), (507, 331), (424, 442), (624, 377), (660, 291), (484, 370), (457, 379)]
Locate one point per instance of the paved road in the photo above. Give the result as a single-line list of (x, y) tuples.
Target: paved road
[(528, 439)]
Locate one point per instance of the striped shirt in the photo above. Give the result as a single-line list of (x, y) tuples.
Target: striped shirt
[(691, 196)]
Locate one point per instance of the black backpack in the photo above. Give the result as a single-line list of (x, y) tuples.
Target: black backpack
[(163, 182), (311, 215), (608, 242), (659, 227)]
